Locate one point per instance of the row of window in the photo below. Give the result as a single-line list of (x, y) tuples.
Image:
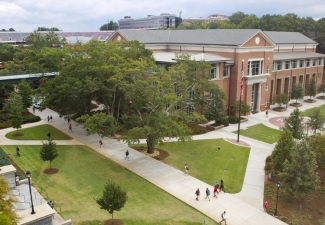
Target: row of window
[(296, 64)]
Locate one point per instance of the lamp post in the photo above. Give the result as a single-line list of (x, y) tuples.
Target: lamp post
[(241, 93), (277, 197), (28, 173)]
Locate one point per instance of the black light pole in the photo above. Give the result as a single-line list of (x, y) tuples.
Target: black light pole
[(241, 93), (30, 191), (277, 197)]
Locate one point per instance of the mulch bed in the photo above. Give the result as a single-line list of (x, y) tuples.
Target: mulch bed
[(51, 171), (18, 134), (159, 154), (116, 222)]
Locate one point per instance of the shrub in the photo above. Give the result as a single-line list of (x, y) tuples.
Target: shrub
[(5, 124), (4, 161), (283, 218), (269, 159), (225, 122), (195, 128), (232, 119), (31, 119), (268, 166)]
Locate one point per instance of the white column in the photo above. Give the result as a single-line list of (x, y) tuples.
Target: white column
[(259, 97)]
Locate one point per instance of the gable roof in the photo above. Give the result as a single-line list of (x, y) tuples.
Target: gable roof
[(232, 37), (279, 37)]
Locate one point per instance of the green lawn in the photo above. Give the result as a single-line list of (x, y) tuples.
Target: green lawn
[(38, 133), (309, 111), (262, 133), (81, 178), (209, 165)]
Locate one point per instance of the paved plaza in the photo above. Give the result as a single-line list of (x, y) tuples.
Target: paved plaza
[(245, 207)]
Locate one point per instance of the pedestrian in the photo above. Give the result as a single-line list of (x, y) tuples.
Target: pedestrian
[(222, 186), (68, 119), (49, 136), (186, 169), (215, 190), (100, 143), (223, 217), (197, 194), (51, 118), (266, 204), (48, 118), (50, 203), (207, 191), (88, 131), (18, 151), (127, 155), (267, 113), (17, 180), (33, 109), (70, 127)]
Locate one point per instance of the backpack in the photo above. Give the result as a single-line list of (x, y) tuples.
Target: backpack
[(187, 168), (221, 215)]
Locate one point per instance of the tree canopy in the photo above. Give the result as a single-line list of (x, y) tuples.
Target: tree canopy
[(294, 123), (109, 26), (297, 92), (49, 152), (7, 203)]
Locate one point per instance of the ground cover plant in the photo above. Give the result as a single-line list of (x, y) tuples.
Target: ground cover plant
[(209, 164), (81, 180), (262, 133), (38, 133)]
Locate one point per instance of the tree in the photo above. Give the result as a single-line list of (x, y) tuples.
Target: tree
[(294, 123), (297, 92), (281, 99), (7, 202), (316, 120), (283, 149), (113, 199), (321, 87), (25, 91), (317, 143), (39, 40), (249, 22), (299, 175), (14, 105), (311, 90), (244, 109), (49, 152), (11, 29), (47, 29), (5, 220), (109, 26), (237, 17)]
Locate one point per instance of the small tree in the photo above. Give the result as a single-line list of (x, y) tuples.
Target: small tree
[(316, 120), (113, 198), (297, 92), (321, 87), (317, 143), (7, 203), (244, 109), (281, 99), (299, 175), (49, 152), (14, 105), (311, 90), (294, 124), (282, 150)]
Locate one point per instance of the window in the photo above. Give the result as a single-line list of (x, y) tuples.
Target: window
[(254, 67), (214, 72), (189, 108), (287, 65), (294, 64), (278, 65), (301, 63), (266, 86), (226, 71), (273, 66), (307, 62), (176, 90), (190, 94), (268, 69), (320, 62), (314, 62)]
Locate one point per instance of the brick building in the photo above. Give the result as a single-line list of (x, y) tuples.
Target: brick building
[(272, 61)]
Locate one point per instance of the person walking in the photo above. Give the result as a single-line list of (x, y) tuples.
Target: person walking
[(100, 143), (207, 192), (18, 151), (17, 180), (88, 131), (70, 127), (186, 169), (265, 205), (51, 118), (127, 155), (223, 217), (267, 113), (68, 119), (222, 186), (197, 194), (49, 136), (215, 190), (33, 109), (48, 118)]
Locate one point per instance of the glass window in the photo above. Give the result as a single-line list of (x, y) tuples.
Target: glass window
[(287, 65), (314, 62), (301, 63), (191, 94), (294, 64), (226, 71), (273, 66), (307, 62), (214, 72), (254, 67), (278, 65), (266, 86), (268, 69), (320, 62)]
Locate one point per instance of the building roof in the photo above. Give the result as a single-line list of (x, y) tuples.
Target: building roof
[(279, 37), (232, 37), (296, 55), (169, 57)]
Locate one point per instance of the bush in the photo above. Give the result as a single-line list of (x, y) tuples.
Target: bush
[(4, 160), (268, 167), (225, 122), (232, 119), (269, 159), (5, 124), (31, 119), (195, 128)]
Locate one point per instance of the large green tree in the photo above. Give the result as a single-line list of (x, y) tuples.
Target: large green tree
[(14, 105), (113, 198), (7, 202), (283, 149), (316, 120), (321, 87), (25, 91), (299, 175), (311, 90), (109, 26), (281, 99), (297, 92), (294, 123), (317, 143), (39, 40)]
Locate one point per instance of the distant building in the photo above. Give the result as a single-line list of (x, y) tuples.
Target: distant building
[(165, 20), (212, 18)]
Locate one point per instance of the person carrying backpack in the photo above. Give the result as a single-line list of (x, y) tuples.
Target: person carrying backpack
[(223, 218), (197, 194), (186, 169)]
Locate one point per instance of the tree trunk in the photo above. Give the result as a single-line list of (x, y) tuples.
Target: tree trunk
[(112, 219), (50, 164), (150, 145)]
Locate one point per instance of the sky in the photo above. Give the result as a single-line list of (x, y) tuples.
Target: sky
[(86, 15)]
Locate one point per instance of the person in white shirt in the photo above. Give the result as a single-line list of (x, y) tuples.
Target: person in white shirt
[(224, 217)]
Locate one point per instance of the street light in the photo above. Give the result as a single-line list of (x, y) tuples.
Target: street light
[(28, 173), (277, 197)]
